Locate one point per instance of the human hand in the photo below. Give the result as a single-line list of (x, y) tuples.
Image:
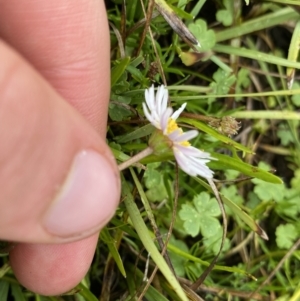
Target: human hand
[(60, 183)]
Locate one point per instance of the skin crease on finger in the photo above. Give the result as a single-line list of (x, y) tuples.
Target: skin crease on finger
[(64, 41)]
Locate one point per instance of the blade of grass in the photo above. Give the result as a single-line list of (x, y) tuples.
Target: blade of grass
[(147, 241), (195, 259), (293, 54), (108, 240), (282, 115), (255, 55), (86, 293), (225, 162), (205, 128), (263, 22), (118, 70)]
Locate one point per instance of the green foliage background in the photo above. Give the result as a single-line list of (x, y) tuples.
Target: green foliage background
[(245, 67)]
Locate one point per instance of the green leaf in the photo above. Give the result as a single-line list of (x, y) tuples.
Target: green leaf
[(247, 219), (118, 70), (268, 191), (200, 216), (110, 242), (137, 75), (136, 134), (204, 204), (210, 226), (4, 269), (16, 291), (205, 37), (152, 177), (290, 204), (296, 179), (296, 98), (214, 243), (286, 236), (157, 194), (226, 162), (118, 112), (231, 193), (285, 134), (225, 16), (255, 55), (190, 217), (4, 286), (242, 82), (147, 240), (207, 129), (86, 293), (177, 260), (222, 82)]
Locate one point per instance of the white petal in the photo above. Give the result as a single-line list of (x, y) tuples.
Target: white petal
[(159, 98), (150, 97), (194, 152), (164, 101), (186, 136), (174, 135), (178, 112), (164, 119), (192, 166), (147, 113)]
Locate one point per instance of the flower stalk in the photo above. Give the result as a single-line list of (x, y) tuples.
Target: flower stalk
[(136, 158)]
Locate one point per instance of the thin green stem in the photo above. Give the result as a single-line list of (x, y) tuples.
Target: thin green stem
[(145, 153)]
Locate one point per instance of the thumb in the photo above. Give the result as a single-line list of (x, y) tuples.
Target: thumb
[(59, 180)]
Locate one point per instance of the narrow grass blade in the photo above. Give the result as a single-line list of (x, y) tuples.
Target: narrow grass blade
[(118, 70), (109, 241), (255, 24), (205, 128), (293, 54), (86, 293), (255, 55), (226, 162), (147, 241), (136, 134), (195, 259), (282, 115)]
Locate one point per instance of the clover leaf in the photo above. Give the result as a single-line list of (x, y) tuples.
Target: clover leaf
[(290, 205), (178, 261), (118, 112), (285, 134), (206, 38), (296, 180), (268, 191), (222, 82), (225, 16), (286, 236), (155, 184), (242, 82), (200, 216), (214, 243)]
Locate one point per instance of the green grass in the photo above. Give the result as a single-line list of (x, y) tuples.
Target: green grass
[(246, 68)]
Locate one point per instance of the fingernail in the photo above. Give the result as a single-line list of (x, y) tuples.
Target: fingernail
[(88, 198)]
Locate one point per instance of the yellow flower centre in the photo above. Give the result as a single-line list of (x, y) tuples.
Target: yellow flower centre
[(173, 126)]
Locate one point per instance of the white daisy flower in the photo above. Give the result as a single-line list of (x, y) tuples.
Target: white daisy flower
[(190, 159)]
